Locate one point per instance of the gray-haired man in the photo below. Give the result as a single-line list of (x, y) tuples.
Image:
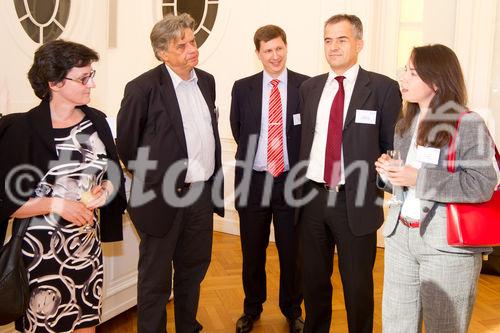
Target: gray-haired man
[(167, 116)]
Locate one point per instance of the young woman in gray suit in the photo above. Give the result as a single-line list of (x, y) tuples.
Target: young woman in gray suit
[(425, 279)]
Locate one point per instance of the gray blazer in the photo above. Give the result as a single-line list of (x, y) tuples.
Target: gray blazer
[(474, 180)]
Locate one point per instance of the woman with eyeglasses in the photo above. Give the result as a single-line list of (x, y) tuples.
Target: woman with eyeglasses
[(61, 170), (425, 279)]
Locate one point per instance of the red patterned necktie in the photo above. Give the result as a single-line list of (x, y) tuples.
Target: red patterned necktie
[(334, 138), (275, 159)]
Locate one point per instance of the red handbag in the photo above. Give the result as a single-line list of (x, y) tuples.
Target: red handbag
[(472, 224)]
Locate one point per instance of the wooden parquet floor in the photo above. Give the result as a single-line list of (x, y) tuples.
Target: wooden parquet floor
[(221, 301)]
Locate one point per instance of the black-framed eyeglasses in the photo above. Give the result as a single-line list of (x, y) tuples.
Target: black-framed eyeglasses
[(84, 80)]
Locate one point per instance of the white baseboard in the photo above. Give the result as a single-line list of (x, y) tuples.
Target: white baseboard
[(120, 301)]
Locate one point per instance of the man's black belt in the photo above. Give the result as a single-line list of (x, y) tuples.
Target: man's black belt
[(338, 188)]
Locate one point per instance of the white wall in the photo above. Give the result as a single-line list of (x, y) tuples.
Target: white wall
[(495, 77), (494, 104), (475, 46)]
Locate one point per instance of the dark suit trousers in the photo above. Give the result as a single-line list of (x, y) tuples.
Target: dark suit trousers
[(321, 228), (255, 224), (188, 244)]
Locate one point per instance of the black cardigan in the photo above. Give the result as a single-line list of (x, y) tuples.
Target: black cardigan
[(26, 139)]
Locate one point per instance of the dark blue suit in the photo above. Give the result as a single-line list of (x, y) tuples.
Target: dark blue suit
[(255, 218)]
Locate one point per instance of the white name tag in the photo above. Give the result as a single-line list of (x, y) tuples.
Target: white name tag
[(428, 155), (366, 117), (296, 119)]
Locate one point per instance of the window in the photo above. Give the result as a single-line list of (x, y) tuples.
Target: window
[(43, 20), (204, 13)]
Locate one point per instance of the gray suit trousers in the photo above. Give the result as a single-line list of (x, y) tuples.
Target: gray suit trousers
[(421, 282)]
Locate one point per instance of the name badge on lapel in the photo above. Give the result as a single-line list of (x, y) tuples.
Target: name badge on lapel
[(428, 155), (296, 119), (366, 117)]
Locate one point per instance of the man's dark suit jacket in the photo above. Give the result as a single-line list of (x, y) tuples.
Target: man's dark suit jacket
[(246, 116), (361, 142), (150, 117)]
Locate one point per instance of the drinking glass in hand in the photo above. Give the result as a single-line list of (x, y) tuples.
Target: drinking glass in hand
[(88, 196), (396, 161)]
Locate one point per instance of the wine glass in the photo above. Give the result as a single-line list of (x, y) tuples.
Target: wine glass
[(396, 161), (87, 196)]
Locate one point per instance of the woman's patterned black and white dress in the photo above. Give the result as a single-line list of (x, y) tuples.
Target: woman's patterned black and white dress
[(64, 261)]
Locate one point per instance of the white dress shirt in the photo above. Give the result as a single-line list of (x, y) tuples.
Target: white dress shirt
[(197, 124), (316, 168), (411, 204), (260, 161)]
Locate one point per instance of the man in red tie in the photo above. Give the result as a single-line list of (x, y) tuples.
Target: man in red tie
[(348, 118), (266, 125)]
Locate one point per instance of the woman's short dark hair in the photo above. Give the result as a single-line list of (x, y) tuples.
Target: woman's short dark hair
[(52, 62)]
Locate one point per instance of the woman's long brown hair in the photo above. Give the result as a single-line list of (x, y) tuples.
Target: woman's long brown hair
[(438, 66)]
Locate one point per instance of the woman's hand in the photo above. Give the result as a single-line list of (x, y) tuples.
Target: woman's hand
[(382, 163), (99, 195), (402, 176), (73, 211)]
